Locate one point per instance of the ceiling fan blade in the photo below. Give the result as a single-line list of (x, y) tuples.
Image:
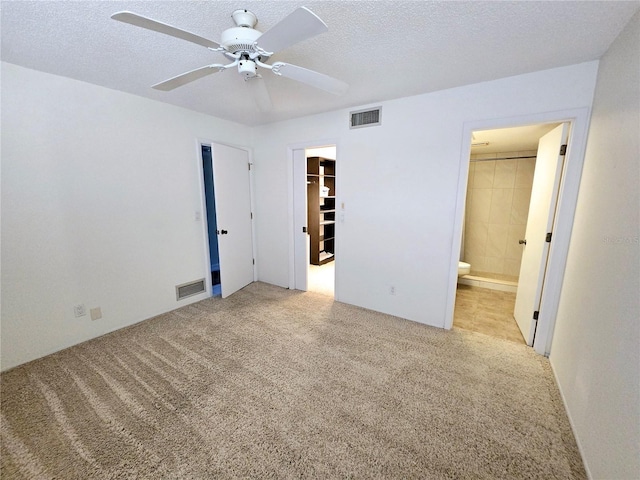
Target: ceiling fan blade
[(299, 25), (315, 79), (149, 24), (187, 77), (259, 92)]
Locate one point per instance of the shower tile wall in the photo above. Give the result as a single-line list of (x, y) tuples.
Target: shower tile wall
[(498, 196)]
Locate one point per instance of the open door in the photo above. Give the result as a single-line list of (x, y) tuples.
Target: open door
[(301, 239), (542, 207), (233, 212)]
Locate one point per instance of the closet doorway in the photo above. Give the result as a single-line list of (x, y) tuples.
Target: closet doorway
[(316, 214)]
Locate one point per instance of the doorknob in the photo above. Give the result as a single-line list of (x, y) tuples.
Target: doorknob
[(223, 232), (522, 242)]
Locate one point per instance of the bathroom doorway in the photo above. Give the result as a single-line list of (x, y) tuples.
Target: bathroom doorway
[(502, 166)]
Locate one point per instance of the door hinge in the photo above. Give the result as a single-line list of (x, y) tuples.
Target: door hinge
[(251, 215), (254, 261), (563, 149), (536, 314), (548, 238), (250, 164)]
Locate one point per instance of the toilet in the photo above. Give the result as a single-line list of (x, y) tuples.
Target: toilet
[(464, 268)]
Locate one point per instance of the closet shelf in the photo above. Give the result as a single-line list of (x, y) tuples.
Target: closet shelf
[(321, 210), (325, 256)]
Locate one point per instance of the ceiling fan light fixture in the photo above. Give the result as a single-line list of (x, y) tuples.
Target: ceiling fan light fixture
[(247, 68)]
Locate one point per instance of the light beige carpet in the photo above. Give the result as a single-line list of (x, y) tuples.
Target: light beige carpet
[(272, 383)]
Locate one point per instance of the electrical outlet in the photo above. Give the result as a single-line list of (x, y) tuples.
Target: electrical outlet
[(392, 290), (96, 313), (79, 310)]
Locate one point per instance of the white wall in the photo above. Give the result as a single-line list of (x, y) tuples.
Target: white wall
[(596, 344), (99, 194), (399, 182)]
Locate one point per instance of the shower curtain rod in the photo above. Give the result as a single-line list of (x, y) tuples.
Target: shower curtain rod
[(499, 158)]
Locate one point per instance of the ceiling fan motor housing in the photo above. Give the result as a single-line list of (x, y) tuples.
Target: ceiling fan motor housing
[(239, 39)]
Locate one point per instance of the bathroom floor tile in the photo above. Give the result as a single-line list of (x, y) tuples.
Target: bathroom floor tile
[(486, 311)]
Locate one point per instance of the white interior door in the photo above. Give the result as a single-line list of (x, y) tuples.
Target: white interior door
[(301, 237), (544, 196), (233, 212)]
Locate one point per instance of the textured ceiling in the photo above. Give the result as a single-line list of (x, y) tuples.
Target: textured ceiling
[(382, 49)]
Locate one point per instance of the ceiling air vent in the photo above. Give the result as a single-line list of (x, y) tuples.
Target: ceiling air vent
[(366, 118), (188, 289)]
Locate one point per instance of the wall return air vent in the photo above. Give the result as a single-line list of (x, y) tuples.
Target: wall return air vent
[(365, 118), (188, 289)]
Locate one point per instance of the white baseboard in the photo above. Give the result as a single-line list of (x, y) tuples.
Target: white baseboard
[(573, 428)]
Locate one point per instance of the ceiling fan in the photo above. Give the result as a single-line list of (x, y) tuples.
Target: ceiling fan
[(249, 49)]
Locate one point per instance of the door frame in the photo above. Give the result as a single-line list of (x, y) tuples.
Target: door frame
[(565, 211), (200, 142), (293, 260)]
